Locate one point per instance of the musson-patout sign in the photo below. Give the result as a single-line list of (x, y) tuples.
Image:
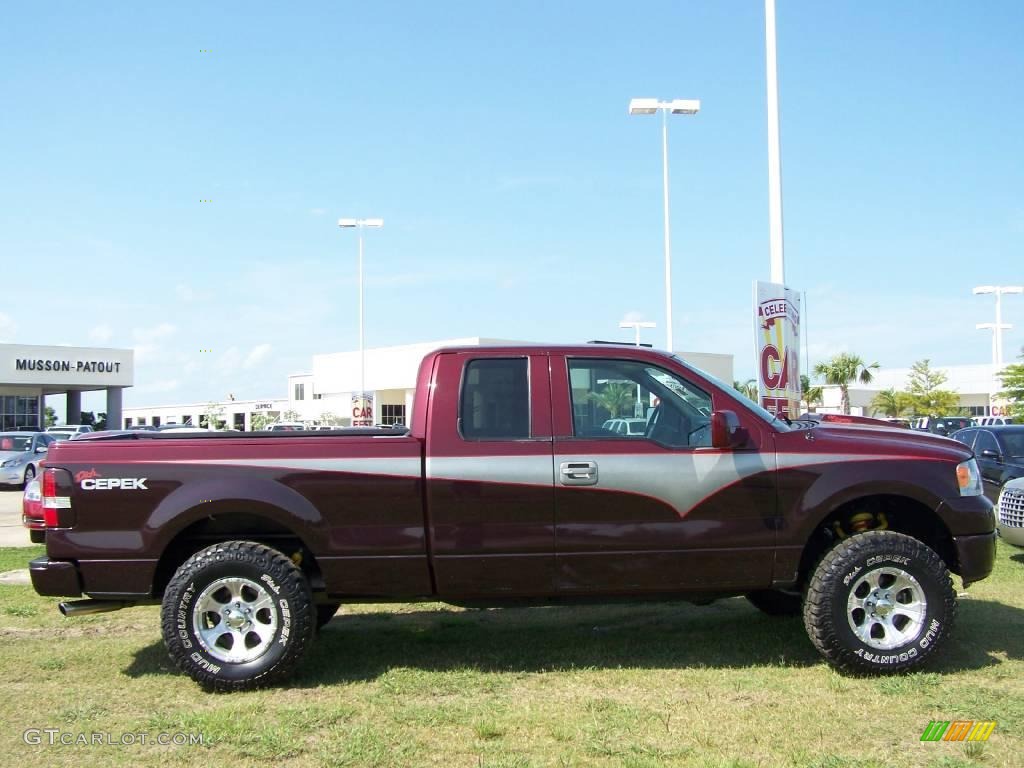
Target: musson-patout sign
[(66, 366), (777, 333)]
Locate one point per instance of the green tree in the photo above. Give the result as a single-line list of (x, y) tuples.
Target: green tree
[(260, 421), (1012, 377), (88, 418), (290, 416), (925, 388), (842, 370), (893, 403), (212, 416), (101, 422), (617, 399), (810, 396), (49, 417), (330, 419), (746, 388)]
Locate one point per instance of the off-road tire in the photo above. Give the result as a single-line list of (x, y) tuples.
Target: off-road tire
[(325, 612), (777, 602), (867, 561), (275, 589)]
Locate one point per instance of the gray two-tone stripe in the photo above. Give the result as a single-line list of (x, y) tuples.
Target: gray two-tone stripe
[(516, 470)]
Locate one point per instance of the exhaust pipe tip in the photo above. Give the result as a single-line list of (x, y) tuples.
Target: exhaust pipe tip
[(86, 607)]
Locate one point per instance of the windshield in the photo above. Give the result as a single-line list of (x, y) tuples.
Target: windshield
[(19, 443), (755, 407)]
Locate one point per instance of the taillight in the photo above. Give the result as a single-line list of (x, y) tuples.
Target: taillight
[(32, 505), (56, 508)]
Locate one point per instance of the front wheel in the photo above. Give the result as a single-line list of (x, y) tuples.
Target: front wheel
[(879, 602), (237, 615), (30, 475)]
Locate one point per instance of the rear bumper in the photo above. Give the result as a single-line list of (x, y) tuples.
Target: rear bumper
[(976, 555), (55, 578)]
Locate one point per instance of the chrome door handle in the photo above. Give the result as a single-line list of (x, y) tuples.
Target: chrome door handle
[(578, 472)]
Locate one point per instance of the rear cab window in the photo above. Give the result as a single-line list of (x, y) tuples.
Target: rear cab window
[(495, 400)]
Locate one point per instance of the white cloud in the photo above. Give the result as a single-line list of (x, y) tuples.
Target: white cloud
[(101, 334), (168, 385), (147, 340), (229, 361), (633, 316), (256, 355)]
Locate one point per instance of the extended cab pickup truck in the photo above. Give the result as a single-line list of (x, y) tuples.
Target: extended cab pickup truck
[(507, 488)]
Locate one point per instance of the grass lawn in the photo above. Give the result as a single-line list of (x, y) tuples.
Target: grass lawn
[(425, 684)]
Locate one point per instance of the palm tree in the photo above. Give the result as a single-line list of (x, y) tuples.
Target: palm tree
[(810, 395), (746, 388), (843, 369), (892, 403), (617, 399)]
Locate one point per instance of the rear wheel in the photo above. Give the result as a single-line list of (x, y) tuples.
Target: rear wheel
[(879, 602), (777, 602), (237, 615)]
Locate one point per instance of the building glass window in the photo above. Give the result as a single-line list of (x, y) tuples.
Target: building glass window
[(156, 421), (300, 391), (127, 422), (392, 414), (239, 421), (17, 412), (187, 419)]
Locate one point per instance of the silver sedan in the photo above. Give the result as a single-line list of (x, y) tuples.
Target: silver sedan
[(20, 454)]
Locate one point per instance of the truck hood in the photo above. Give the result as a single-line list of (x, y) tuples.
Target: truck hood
[(859, 439)]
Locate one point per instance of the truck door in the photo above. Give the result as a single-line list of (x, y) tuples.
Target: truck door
[(489, 476), (656, 509)]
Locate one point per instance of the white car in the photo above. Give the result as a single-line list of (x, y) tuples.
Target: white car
[(72, 429), (989, 421), (626, 427), (286, 426), (20, 454), (1010, 513)]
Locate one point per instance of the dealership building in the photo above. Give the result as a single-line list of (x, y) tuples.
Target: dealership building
[(976, 385), (30, 372), (328, 393)]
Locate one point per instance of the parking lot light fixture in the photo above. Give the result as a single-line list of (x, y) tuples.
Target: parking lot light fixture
[(674, 107), (360, 225), (999, 326), (636, 326)]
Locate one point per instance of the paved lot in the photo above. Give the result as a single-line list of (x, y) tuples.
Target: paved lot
[(12, 534)]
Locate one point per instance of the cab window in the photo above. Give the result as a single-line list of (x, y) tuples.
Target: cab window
[(621, 399), (495, 401)]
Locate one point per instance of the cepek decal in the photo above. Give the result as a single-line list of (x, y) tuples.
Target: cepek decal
[(90, 480)]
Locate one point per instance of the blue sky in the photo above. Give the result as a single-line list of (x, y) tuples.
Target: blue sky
[(520, 200)]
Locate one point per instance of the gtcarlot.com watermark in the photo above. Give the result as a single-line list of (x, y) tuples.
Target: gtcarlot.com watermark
[(55, 737)]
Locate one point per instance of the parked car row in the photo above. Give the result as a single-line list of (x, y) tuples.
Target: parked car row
[(999, 451)]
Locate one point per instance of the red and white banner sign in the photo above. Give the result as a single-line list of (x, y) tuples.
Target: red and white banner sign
[(362, 410), (777, 334)]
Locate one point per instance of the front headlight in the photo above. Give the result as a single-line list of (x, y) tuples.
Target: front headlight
[(968, 478)]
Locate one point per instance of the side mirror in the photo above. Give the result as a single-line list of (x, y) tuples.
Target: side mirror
[(987, 453), (726, 431), (42, 449)]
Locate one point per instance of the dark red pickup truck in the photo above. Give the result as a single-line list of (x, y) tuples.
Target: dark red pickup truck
[(513, 484)]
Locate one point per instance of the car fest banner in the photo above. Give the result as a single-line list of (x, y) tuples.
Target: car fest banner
[(362, 410), (777, 333)]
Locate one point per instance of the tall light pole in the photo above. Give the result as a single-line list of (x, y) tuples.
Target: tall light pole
[(636, 327), (638, 409), (360, 225), (674, 107), (775, 239), (999, 326)]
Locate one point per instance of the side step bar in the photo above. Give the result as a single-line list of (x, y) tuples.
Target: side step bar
[(85, 607)]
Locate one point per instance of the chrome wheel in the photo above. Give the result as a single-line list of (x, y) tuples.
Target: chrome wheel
[(886, 608), (235, 620)]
